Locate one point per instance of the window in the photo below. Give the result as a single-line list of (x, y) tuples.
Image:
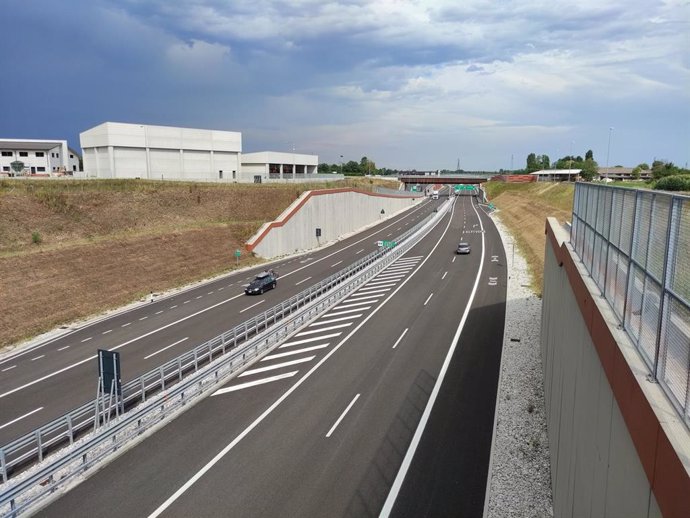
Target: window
[(52, 155), (41, 169), (40, 153), (23, 153), (7, 153), (5, 168), (71, 155)]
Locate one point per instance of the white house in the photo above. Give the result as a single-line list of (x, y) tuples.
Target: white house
[(267, 166), (39, 157), (557, 175), (118, 150)]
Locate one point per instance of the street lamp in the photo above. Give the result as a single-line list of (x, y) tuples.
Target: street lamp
[(608, 149), (570, 161), (341, 164)]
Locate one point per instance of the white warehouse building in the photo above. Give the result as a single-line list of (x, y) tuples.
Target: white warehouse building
[(39, 157), (118, 150), (273, 166)]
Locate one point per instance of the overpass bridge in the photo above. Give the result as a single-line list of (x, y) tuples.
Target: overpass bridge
[(445, 179)]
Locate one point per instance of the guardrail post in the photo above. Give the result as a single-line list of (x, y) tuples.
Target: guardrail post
[(179, 368), (70, 429), (3, 466), (196, 361), (143, 390), (162, 378), (39, 445)]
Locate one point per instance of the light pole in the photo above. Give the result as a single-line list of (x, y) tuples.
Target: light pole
[(341, 164), (608, 149), (570, 158)]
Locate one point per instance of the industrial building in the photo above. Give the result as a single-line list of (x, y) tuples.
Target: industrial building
[(37, 157), (275, 166)]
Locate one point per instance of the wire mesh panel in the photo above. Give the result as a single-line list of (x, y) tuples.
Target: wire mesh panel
[(636, 246)]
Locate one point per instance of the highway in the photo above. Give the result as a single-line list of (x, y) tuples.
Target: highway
[(382, 406), (45, 381)]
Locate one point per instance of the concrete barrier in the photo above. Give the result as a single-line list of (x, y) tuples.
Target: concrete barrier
[(618, 447), (334, 212)]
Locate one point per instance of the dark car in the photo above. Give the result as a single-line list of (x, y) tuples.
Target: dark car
[(264, 281), (463, 248)]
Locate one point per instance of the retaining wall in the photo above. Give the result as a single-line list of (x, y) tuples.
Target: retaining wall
[(618, 447), (336, 212)]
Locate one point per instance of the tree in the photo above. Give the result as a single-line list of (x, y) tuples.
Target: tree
[(661, 169), (636, 173), (324, 168), (532, 163), (352, 168), (545, 161), (589, 155), (589, 170)]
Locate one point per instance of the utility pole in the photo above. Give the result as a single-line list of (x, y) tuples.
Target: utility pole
[(608, 149)]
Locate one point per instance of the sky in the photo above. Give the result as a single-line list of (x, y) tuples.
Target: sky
[(410, 84)]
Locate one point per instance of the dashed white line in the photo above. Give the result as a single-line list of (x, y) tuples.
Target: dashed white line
[(335, 425), (428, 299), (8, 368), (63, 348), (164, 348), (159, 312), (220, 289), (303, 280), (253, 305), (86, 339), (21, 417), (336, 264), (401, 337), (143, 318), (276, 366), (359, 251), (210, 293), (106, 332), (38, 357), (254, 383), (200, 296), (127, 324), (186, 302), (444, 275), (454, 258), (173, 307)]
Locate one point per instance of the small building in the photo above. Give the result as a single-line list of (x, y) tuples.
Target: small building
[(622, 173), (119, 150), (273, 166), (557, 175), (39, 157)]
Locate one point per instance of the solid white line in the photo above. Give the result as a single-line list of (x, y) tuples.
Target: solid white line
[(292, 353), (38, 357), (338, 313), (20, 418), (401, 337), (276, 366), (191, 481), (444, 275), (253, 384), (428, 299), (303, 280), (128, 324), (250, 307), (164, 348), (336, 264), (337, 326), (63, 348), (106, 332), (307, 340), (88, 359), (407, 460), (86, 339), (335, 425), (8, 368), (333, 320)]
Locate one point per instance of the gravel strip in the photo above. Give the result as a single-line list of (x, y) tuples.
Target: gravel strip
[(520, 477)]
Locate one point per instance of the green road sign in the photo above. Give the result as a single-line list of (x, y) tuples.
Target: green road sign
[(389, 244), (464, 187), (238, 253)]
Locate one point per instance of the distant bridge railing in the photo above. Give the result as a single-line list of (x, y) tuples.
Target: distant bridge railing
[(636, 246)]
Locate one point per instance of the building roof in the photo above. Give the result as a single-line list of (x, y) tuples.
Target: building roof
[(550, 172), (30, 144)]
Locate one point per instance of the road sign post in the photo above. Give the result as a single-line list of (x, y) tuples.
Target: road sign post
[(238, 253)]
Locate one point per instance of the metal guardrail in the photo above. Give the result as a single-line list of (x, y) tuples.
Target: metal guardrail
[(64, 430), (20, 494), (636, 246)]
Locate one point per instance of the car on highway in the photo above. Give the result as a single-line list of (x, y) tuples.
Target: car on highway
[(463, 248), (264, 281)]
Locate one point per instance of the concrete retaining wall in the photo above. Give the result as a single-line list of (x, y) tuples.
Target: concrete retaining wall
[(336, 212), (616, 450)]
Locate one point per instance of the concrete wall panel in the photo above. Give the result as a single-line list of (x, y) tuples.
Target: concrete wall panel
[(130, 162)]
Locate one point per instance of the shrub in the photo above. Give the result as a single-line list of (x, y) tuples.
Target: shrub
[(679, 182), (36, 238)]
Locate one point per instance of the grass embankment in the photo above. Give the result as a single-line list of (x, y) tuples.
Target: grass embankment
[(523, 208), (71, 248)]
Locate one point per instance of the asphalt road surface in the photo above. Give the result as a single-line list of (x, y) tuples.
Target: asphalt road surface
[(382, 406), (47, 380)]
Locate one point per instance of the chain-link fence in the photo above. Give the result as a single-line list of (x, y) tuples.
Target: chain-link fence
[(636, 246)]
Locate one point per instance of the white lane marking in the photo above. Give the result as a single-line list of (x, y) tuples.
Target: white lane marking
[(337, 326), (143, 318), (38, 357), (407, 460), (338, 313), (220, 289), (88, 359), (159, 312), (210, 293), (63, 348), (381, 284), (454, 258), (390, 276), (336, 264), (21, 417), (292, 353), (367, 291), (200, 296), (398, 228), (444, 275), (164, 348), (276, 366), (86, 339), (359, 251), (401, 337), (335, 425), (368, 298), (106, 332), (173, 307), (308, 340), (333, 320), (8, 368), (186, 302), (389, 234), (303, 280), (127, 324), (355, 304), (250, 307), (222, 453), (253, 383)]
